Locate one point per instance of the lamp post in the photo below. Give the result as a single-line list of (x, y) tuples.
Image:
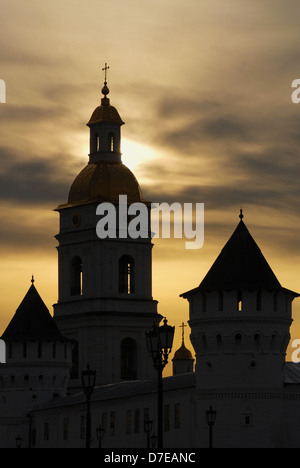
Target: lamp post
[(19, 441), (148, 429), (153, 440), (100, 434), (159, 343), (211, 419), (88, 379)]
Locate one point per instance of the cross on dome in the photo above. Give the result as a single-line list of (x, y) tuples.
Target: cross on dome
[(105, 89), (105, 72), (182, 326)]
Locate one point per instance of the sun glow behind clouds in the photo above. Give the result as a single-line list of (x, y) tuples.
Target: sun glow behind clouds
[(134, 154)]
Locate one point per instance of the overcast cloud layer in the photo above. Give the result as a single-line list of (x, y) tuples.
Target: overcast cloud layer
[(206, 85)]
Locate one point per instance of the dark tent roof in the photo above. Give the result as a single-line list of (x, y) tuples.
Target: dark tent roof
[(240, 265), (32, 321)]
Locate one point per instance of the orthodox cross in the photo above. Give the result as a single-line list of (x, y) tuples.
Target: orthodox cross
[(182, 326), (105, 72)]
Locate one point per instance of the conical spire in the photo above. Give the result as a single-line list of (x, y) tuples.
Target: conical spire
[(240, 266), (32, 321)]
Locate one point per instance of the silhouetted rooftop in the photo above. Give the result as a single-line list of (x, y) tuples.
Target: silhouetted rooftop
[(125, 389), (32, 321), (240, 265), (182, 354)]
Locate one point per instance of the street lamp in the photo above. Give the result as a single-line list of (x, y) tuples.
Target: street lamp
[(159, 343), (211, 419), (153, 440), (88, 379), (148, 429), (100, 434), (19, 441)]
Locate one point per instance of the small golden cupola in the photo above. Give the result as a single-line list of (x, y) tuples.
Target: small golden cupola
[(105, 134), (183, 361)]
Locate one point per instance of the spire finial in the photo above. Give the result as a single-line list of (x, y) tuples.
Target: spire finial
[(241, 214), (105, 73), (32, 279), (182, 326), (105, 90)]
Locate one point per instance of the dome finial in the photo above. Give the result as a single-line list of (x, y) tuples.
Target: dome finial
[(32, 279), (105, 89), (182, 326), (241, 214)]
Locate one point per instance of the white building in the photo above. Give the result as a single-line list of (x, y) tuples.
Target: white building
[(240, 318)]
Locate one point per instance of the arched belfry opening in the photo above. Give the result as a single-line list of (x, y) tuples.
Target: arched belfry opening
[(76, 276), (126, 275), (97, 142), (128, 359), (111, 142)]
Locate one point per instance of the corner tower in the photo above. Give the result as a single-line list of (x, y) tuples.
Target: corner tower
[(105, 285), (240, 318), (38, 360)]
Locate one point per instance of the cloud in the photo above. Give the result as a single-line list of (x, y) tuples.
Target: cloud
[(32, 181)]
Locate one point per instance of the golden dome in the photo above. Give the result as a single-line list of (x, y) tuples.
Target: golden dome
[(105, 114), (183, 354), (104, 181)]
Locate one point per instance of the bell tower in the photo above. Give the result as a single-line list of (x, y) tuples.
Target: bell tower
[(105, 285)]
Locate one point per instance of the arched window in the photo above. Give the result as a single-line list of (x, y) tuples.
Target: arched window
[(126, 275), (220, 300), (54, 349), (239, 301), (111, 142), (276, 301), (273, 343), (128, 359), (258, 300), (26, 382), (203, 296), (219, 342), (41, 381), (95, 143), (9, 350), (238, 341), (76, 277), (24, 349), (74, 371), (203, 344), (40, 349), (257, 341)]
